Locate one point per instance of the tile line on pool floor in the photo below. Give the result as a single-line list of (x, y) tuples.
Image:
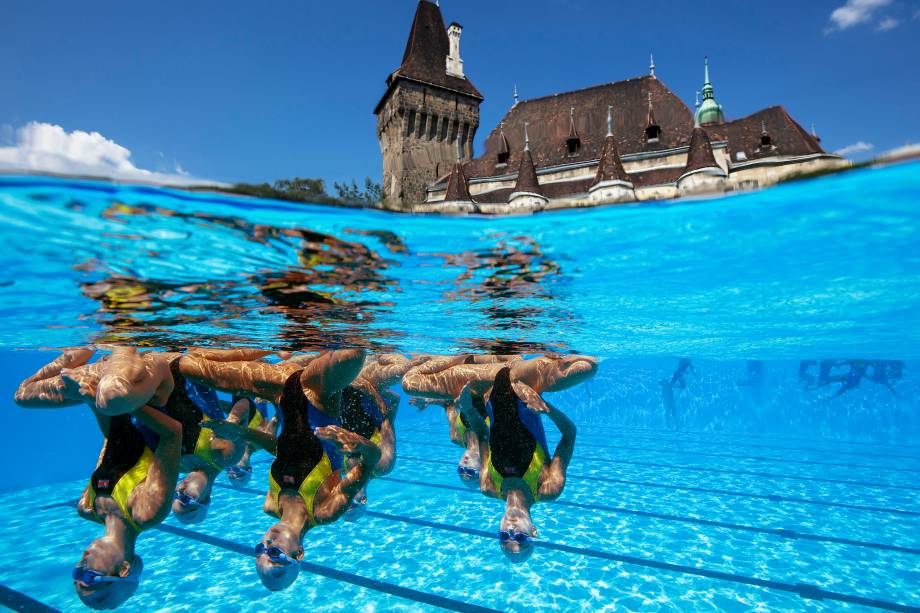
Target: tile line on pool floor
[(339, 575), (690, 488), (780, 532), (708, 469), (804, 590), (738, 457), (17, 601), (377, 585), (584, 431)]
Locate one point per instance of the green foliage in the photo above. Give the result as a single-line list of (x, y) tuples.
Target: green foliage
[(300, 189)]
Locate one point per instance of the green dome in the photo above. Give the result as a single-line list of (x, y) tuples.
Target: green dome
[(710, 111)]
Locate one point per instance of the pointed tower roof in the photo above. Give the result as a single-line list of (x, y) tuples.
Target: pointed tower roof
[(710, 112), (503, 147), (527, 173), (458, 189), (650, 121), (610, 167), (700, 155), (424, 58)]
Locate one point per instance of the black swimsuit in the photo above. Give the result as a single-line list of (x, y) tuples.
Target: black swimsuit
[(360, 412), (512, 444), (299, 450), (123, 450), (181, 408)]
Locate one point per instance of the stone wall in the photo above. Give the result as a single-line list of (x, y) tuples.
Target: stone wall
[(418, 128)]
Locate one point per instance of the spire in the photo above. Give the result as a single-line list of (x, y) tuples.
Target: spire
[(651, 65), (527, 173), (652, 129), (515, 94), (504, 147), (610, 167), (696, 105), (814, 134), (710, 111)]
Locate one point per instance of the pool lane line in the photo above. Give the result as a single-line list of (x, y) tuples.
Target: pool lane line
[(17, 601), (780, 532), (752, 473), (587, 431), (745, 457), (392, 589), (705, 490), (442, 602), (804, 590)]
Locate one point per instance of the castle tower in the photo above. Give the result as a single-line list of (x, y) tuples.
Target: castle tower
[(430, 104)]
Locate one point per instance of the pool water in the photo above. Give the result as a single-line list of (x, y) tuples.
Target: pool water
[(757, 491)]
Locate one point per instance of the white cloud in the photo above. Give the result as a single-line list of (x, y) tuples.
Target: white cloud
[(888, 23), (46, 147), (855, 12), (857, 147)]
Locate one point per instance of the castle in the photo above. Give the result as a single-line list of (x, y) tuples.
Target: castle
[(625, 141)]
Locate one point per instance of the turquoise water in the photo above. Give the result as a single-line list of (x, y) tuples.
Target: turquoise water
[(771, 495)]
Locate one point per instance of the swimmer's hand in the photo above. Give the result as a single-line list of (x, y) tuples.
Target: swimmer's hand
[(464, 400), (78, 386), (349, 443), (226, 430), (530, 397)]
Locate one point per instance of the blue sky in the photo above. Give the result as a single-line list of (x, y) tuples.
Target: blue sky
[(244, 91)]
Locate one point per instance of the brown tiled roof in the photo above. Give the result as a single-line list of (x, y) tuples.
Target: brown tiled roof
[(559, 189), (425, 57), (457, 188), (610, 167), (700, 154), (550, 124), (744, 135), (659, 176), (527, 175)]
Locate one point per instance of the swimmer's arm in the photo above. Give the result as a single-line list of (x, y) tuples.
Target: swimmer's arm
[(451, 413), (46, 389), (151, 502), (333, 371), (332, 507), (387, 430), (486, 486), (241, 378), (553, 478), (464, 403), (228, 355)]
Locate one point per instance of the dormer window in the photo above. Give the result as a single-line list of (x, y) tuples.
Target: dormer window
[(652, 134), (573, 146), (503, 157), (766, 141)]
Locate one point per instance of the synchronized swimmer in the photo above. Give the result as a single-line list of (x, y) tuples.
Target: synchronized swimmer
[(333, 430)]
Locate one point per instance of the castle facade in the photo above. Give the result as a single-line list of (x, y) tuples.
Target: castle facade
[(626, 141)]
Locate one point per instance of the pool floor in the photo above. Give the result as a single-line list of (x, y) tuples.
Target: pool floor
[(649, 520)]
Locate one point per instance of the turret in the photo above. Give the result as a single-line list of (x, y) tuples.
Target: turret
[(527, 194), (710, 111), (701, 174), (611, 183)]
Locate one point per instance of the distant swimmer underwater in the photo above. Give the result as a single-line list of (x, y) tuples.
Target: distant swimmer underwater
[(328, 420)]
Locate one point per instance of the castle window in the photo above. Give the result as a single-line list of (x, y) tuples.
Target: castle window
[(454, 128), (652, 134), (422, 125), (503, 158), (410, 125), (444, 125), (573, 146), (433, 129), (465, 133)]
